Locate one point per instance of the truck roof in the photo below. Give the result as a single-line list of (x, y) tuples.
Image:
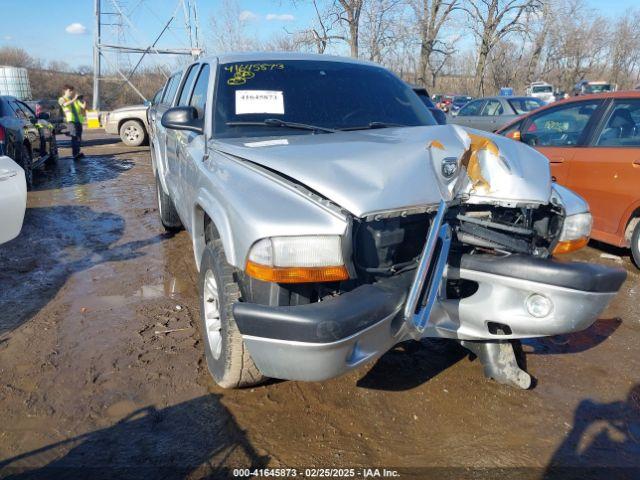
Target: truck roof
[(234, 57)]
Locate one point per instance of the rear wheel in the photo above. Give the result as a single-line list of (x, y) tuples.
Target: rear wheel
[(635, 245), (166, 209), (228, 359), (133, 133)]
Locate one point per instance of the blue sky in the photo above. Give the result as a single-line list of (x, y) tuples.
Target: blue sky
[(51, 35)]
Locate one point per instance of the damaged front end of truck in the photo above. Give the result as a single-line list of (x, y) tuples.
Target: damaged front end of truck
[(473, 259)]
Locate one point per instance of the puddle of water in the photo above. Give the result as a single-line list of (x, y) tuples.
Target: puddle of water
[(169, 289)]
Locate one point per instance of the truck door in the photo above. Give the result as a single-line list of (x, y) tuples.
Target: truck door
[(159, 136), (191, 154), (174, 138)]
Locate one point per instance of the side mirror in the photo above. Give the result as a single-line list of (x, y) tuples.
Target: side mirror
[(147, 103), (515, 135), (439, 115), (43, 116), (182, 118)]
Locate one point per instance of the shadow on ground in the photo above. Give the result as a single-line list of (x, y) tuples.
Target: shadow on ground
[(412, 363), (194, 439), (604, 442), (56, 242), (575, 342)]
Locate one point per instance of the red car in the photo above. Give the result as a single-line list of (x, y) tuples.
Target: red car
[(593, 146)]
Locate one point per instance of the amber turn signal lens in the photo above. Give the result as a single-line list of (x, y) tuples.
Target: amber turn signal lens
[(296, 274), (570, 246)]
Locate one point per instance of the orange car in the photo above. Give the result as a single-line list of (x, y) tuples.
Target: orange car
[(593, 146)]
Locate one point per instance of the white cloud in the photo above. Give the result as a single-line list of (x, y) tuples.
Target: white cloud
[(7, 38), (76, 29), (282, 17), (247, 16)]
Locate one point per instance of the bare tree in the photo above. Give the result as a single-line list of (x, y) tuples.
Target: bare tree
[(382, 28), (491, 22), (431, 16), (350, 16), (321, 33), (228, 29)]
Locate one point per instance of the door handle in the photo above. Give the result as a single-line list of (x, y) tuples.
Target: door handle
[(636, 163), (554, 179), (556, 159)]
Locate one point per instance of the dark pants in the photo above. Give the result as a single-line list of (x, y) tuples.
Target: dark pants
[(75, 131)]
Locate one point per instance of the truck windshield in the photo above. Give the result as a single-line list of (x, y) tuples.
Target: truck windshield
[(324, 94), (542, 89)]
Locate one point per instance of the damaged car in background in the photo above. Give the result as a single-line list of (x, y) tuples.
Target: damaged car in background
[(332, 219)]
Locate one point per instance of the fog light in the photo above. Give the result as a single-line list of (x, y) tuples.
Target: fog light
[(538, 305)]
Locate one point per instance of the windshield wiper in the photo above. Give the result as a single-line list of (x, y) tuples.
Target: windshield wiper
[(276, 122), (373, 125)]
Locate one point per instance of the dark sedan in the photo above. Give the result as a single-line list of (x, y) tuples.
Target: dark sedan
[(492, 113), (26, 138)]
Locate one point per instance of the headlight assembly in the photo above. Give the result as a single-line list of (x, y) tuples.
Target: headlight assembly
[(299, 259), (576, 230)]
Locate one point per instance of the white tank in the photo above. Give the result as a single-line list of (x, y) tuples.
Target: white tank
[(15, 81)]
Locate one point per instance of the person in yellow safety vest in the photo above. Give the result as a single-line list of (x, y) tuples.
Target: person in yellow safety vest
[(73, 107)]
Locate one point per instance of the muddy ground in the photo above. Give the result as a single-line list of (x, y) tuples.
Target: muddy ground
[(91, 385)]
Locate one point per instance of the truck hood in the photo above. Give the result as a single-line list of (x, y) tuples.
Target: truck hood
[(373, 171)]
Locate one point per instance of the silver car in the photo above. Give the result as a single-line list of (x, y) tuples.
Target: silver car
[(332, 219), (130, 123), (492, 113)]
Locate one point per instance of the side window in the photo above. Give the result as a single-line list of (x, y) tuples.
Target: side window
[(18, 112), (157, 97), (26, 109), (186, 86), (170, 91), (622, 127), (199, 96), (560, 127), (492, 107), (472, 108)]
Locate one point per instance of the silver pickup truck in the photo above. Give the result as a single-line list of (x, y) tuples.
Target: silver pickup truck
[(331, 219)]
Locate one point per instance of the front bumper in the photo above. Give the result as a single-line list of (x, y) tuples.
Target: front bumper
[(325, 339)]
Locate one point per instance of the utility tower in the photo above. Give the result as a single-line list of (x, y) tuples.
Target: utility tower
[(117, 37)]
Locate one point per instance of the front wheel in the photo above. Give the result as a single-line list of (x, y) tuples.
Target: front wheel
[(635, 245), (228, 359), (133, 133)]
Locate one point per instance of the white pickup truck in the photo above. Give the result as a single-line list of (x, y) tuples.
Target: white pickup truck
[(332, 218)]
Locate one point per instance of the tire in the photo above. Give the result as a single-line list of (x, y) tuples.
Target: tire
[(26, 162), (167, 210), (227, 357), (635, 245), (133, 133), (53, 156)]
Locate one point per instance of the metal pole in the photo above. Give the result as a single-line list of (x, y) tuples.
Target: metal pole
[(96, 58)]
